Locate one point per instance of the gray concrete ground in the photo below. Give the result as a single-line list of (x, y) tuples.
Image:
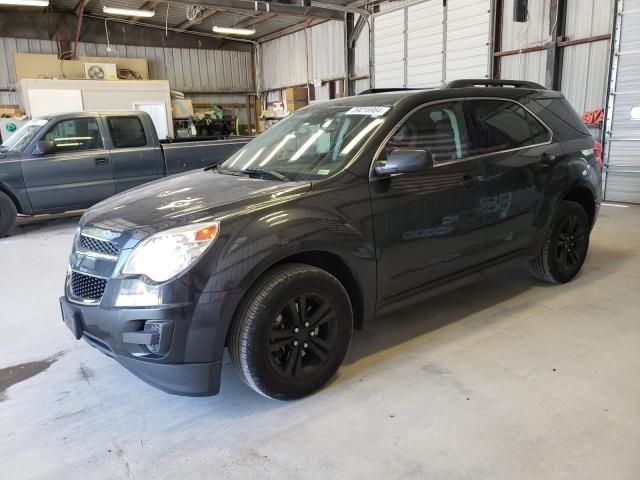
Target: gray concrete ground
[(508, 378)]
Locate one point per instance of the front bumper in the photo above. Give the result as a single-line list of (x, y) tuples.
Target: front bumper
[(190, 364)]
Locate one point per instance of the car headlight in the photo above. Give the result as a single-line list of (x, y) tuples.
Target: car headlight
[(167, 254)]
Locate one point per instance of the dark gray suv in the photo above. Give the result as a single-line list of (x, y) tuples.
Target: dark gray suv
[(343, 210)]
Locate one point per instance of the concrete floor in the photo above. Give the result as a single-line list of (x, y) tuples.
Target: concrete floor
[(509, 378)]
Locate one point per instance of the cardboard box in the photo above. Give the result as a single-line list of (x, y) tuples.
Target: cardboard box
[(296, 105), (181, 108), (296, 95)]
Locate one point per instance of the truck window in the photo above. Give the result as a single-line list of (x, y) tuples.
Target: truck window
[(76, 135), (437, 128), (501, 125), (127, 132)]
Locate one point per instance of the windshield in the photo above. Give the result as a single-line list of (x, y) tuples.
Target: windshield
[(311, 144), (23, 136)]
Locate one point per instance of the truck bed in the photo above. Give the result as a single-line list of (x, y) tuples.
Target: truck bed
[(183, 156)]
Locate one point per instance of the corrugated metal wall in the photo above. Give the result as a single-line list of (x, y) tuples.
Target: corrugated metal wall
[(467, 47), (283, 61), (515, 36), (622, 141), (585, 67), (425, 32), (425, 44), (361, 61), (587, 18), (186, 69)]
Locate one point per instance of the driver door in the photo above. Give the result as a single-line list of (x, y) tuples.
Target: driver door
[(77, 174), (429, 224)]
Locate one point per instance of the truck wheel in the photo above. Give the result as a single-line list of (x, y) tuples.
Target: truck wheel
[(565, 246), (292, 332), (8, 214)]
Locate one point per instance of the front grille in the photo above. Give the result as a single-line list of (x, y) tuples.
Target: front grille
[(87, 287), (100, 246)]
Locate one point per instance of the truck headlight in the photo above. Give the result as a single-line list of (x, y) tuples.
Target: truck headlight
[(167, 254)]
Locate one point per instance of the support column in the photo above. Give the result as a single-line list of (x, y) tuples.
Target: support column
[(350, 54), (557, 17)]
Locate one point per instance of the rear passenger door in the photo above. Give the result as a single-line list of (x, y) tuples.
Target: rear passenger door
[(77, 175), (513, 144), (136, 157), (428, 224)]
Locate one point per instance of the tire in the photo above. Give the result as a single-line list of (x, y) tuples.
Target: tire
[(8, 214), (565, 246), (272, 359)]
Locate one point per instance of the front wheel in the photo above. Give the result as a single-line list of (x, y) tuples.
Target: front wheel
[(292, 332), (565, 246)]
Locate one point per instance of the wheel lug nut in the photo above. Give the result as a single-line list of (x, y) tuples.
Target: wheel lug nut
[(312, 334), (295, 343), (306, 324), (305, 344), (296, 330)]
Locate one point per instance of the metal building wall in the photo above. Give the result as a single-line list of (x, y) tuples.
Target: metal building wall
[(283, 61), (590, 61), (361, 63), (189, 70), (427, 43), (622, 136), (516, 36), (468, 26), (584, 67)]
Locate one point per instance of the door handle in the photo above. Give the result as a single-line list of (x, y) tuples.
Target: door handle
[(101, 161), (468, 180)]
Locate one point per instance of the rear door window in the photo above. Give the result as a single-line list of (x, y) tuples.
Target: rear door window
[(126, 132), (75, 135), (501, 125), (438, 128)]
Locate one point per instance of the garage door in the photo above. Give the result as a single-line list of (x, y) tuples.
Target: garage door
[(622, 140), (426, 44)]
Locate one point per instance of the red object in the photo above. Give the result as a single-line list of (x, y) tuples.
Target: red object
[(593, 118), (597, 151)]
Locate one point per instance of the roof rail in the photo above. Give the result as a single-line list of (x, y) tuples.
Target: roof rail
[(494, 83), (387, 90)]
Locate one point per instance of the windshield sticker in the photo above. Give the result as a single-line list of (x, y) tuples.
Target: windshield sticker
[(324, 172), (371, 111)]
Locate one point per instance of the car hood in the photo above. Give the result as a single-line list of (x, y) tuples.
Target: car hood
[(179, 200)]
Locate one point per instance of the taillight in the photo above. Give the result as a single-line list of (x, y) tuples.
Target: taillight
[(597, 152)]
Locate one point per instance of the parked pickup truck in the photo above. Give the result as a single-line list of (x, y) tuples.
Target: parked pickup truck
[(72, 161)]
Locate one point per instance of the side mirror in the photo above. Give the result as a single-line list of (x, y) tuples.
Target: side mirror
[(47, 147), (404, 160)]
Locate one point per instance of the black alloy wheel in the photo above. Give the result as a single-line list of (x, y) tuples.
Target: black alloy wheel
[(292, 331), (565, 245), (571, 243), (302, 335)]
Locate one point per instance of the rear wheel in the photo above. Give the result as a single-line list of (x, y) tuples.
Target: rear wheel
[(292, 332), (8, 214), (565, 246)]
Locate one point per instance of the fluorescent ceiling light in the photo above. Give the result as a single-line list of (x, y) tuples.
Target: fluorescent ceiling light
[(127, 12), (234, 31), (26, 3)]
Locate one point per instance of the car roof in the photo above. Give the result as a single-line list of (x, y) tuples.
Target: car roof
[(391, 98)]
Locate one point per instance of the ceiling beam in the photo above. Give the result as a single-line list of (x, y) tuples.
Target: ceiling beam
[(240, 6), (149, 5), (292, 29), (187, 24), (251, 21)]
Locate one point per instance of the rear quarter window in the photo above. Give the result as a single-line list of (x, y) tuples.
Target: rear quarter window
[(127, 132), (563, 110)]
